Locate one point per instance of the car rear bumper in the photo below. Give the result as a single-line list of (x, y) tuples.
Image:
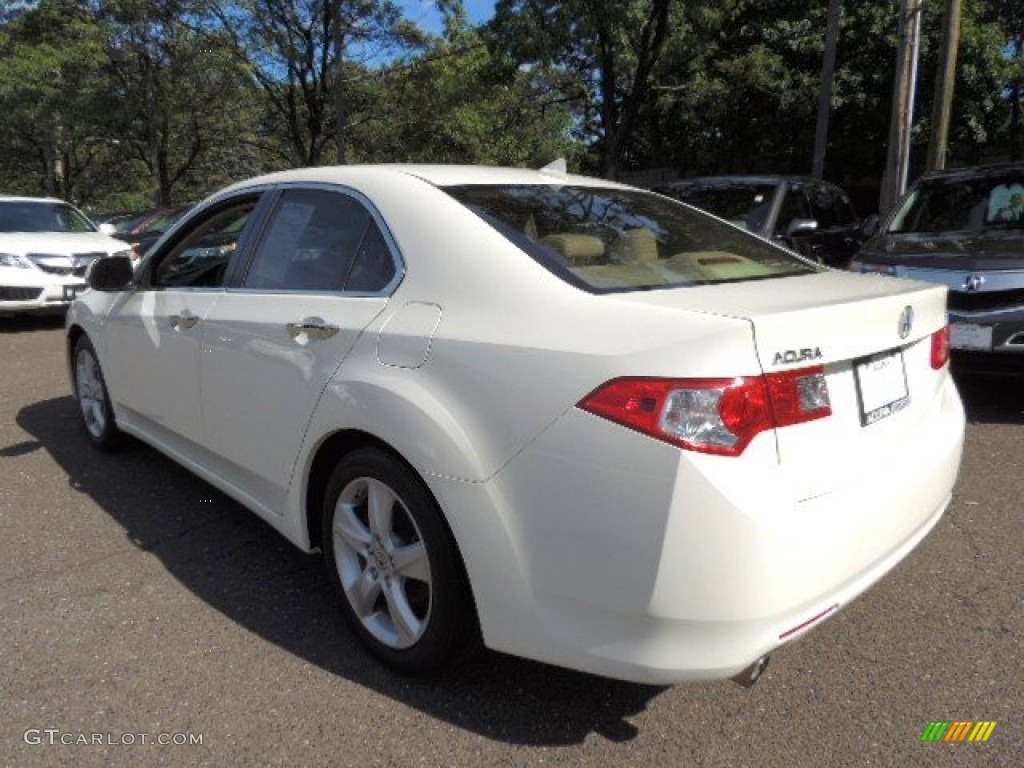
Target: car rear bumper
[(673, 566), (992, 342)]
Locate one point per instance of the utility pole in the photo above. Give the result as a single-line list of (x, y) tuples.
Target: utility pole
[(942, 103), (894, 182), (340, 97), (828, 67)]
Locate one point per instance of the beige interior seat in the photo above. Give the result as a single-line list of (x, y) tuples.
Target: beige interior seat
[(636, 245), (577, 249)]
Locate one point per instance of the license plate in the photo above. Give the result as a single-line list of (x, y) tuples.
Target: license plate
[(970, 336), (881, 386), (72, 291)]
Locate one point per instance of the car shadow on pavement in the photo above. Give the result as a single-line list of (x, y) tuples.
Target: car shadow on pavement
[(992, 399), (26, 323), (240, 566)]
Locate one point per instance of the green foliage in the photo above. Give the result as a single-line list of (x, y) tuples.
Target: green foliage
[(125, 103), (50, 62), (452, 104)]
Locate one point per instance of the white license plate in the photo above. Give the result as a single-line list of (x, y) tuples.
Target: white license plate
[(882, 386), (72, 291), (970, 336)]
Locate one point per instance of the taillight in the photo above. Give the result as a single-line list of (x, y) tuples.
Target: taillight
[(719, 416), (940, 348)]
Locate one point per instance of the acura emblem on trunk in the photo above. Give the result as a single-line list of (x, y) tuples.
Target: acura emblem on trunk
[(906, 321), (974, 282)]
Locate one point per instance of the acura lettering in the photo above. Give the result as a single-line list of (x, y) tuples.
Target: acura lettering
[(805, 355)]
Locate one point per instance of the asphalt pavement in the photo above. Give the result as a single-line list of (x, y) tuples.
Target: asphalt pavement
[(149, 620)]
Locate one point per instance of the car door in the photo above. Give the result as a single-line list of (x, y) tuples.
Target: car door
[(838, 234), (322, 271), (794, 213), (154, 334)]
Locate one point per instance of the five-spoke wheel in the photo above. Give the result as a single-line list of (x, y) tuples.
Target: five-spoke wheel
[(93, 400), (391, 556)]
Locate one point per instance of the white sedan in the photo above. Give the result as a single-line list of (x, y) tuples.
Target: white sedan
[(46, 246), (584, 423)]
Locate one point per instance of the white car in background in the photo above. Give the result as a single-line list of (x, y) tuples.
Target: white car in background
[(46, 246), (586, 422)]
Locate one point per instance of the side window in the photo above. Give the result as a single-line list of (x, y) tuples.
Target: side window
[(829, 207), (794, 206), (310, 243), (373, 267), (201, 258)]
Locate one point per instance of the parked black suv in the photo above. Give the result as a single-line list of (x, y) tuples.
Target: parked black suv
[(965, 229), (812, 217)]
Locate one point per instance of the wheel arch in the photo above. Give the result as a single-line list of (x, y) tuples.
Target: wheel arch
[(333, 449), (74, 333)]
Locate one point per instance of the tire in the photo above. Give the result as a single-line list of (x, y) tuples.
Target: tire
[(92, 397), (393, 561)]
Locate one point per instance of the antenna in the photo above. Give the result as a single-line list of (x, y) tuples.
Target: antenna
[(556, 168)]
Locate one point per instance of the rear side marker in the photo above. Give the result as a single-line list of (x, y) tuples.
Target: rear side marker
[(940, 348), (809, 622)]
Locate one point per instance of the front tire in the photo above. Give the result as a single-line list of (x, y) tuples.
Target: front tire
[(93, 399), (391, 557)]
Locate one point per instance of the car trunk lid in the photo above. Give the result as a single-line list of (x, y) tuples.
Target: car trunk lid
[(872, 336)]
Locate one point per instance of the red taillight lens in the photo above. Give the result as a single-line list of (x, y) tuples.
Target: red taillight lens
[(940, 348), (719, 416), (799, 396)]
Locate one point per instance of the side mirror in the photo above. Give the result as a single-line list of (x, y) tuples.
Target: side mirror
[(110, 274), (801, 227), (869, 227), (107, 228)]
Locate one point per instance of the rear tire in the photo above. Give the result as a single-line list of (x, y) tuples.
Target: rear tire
[(393, 561), (93, 399)]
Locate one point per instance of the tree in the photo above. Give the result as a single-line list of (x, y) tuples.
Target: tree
[(299, 52), (51, 57), (601, 55), (455, 103), (176, 84)]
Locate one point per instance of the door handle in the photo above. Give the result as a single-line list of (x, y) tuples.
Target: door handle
[(312, 328), (184, 320)]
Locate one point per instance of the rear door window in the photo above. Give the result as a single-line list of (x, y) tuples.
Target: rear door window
[(321, 241)]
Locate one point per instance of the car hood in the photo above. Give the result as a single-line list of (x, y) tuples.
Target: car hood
[(64, 243), (965, 251)]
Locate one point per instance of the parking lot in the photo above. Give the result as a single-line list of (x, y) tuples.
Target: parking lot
[(150, 620)]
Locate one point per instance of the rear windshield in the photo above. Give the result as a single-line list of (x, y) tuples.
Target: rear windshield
[(611, 240), (963, 204)]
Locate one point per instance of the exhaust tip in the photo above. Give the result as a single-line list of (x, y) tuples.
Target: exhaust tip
[(752, 674)]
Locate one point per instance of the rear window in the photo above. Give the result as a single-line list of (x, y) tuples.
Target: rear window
[(611, 240), (963, 204)]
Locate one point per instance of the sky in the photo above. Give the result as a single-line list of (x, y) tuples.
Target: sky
[(424, 12)]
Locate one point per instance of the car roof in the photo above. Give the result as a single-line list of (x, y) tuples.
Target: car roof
[(978, 171), (725, 180), (25, 199), (437, 175)]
